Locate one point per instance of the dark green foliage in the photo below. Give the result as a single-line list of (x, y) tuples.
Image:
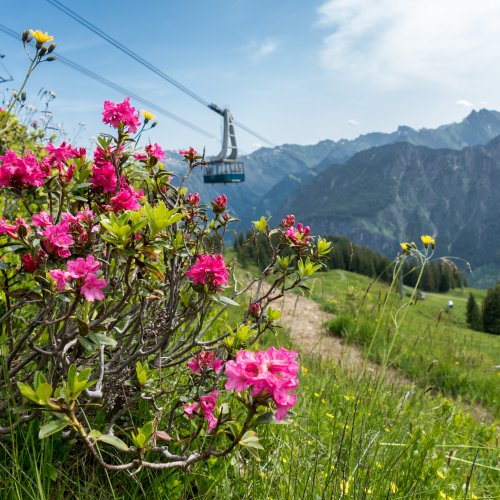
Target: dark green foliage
[(438, 276), (491, 311), (474, 319)]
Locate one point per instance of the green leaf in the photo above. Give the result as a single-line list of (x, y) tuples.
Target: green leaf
[(260, 224), (142, 373), (28, 392), (228, 301), (51, 428), (44, 391), (251, 440), (113, 441), (101, 339)]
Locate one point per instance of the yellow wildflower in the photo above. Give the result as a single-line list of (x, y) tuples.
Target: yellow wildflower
[(442, 494), (406, 247), (344, 487), (329, 415), (304, 370), (394, 488), (440, 474), (428, 240), (147, 115), (41, 37)]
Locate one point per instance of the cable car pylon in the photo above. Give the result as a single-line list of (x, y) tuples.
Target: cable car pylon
[(225, 168)]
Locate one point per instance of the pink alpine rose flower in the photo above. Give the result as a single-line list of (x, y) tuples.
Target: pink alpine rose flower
[(298, 236), (92, 288), (193, 199), (30, 264), (123, 113), (80, 268), (208, 406), (190, 409), (17, 171), (43, 219), (220, 204), (126, 198), (271, 373), (288, 221), (209, 270), (9, 229), (155, 151), (205, 361), (58, 239), (104, 177), (61, 277)]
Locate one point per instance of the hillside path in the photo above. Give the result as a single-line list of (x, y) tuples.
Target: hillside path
[(305, 321)]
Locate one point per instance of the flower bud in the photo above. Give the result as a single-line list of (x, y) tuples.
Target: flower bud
[(22, 97), (254, 310), (26, 36), (42, 51), (51, 48), (51, 58)]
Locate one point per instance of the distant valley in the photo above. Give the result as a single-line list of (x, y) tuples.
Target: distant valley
[(382, 188)]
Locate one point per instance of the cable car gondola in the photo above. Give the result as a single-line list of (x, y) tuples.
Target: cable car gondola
[(225, 168)]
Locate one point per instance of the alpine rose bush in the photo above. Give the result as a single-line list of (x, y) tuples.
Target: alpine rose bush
[(113, 297)]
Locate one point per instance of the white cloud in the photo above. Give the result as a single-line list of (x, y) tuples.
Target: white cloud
[(353, 123), (263, 49), (396, 42), (464, 103)]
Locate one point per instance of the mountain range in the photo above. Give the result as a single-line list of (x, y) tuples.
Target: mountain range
[(383, 188)]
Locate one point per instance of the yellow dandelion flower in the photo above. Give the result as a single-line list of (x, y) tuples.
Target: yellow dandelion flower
[(304, 370), (368, 491), (474, 497), (394, 488), (41, 37), (147, 115), (323, 401), (428, 240), (344, 487), (405, 247), (378, 465), (316, 395), (440, 474), (387, 429), (329, 415)]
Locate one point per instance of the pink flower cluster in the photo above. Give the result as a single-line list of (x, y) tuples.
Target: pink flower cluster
[(83, 271), (122, 113), (220, 204), (126, 198), (193, 199), (209, 270), (288, 221), (205, 361), (58, 238), (208, 403), (22, 171), (189, 154), (153, 151), (58, 157), (11, 230), (298, 236), (271, 373), (103, 169)]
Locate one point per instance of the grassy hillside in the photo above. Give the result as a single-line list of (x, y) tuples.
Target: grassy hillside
[(433, 344)]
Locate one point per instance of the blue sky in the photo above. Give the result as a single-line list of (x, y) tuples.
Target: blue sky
[(296, 71)]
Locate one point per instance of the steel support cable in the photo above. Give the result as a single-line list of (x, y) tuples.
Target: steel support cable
[(119, 88), (79, 19)]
